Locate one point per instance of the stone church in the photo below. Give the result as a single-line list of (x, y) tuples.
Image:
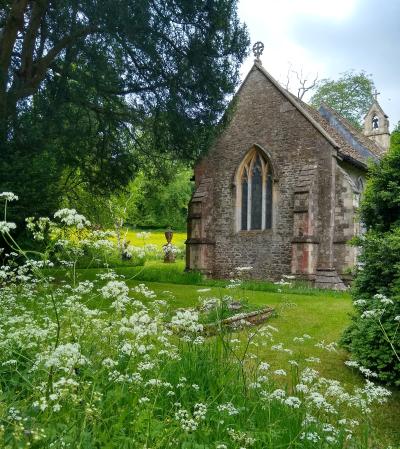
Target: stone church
[(279, 189)]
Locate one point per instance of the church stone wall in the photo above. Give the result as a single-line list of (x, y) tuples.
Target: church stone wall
[(305, 245), (346, 219), (200, 244), (264, 117)]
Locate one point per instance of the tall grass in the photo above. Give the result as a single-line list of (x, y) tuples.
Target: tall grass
[(176, 274), (101, 363)]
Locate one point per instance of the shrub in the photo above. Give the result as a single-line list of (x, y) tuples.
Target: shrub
[(373, 338)]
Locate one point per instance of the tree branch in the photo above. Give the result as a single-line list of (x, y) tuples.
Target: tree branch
[(303, 89), (28, 46), (14, 22), (40, 67)]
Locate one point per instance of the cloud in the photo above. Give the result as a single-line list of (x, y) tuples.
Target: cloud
[(330, 37), (367, 40)]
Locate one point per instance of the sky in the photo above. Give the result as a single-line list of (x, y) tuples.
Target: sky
[(325, 38)]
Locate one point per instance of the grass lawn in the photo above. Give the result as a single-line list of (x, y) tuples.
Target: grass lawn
[(156, 271), (299, 310), (139, 237)]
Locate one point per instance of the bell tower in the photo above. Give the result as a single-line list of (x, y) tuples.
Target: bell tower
[(376, 125)]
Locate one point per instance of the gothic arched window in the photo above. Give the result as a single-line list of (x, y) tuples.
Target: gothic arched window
[(375, 122), (254, 193)]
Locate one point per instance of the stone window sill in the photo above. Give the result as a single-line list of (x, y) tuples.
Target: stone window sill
[(255, 231)]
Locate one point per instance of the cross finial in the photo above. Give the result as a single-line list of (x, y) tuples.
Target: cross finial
[(376, 93), (258, 49)]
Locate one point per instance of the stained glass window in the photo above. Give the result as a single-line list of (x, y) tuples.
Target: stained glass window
[(256, 195), (268, 202), (244, 209), (254, 190)]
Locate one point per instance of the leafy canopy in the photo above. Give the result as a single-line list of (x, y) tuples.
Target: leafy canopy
[(381, 206), (90, 91), (350, 95), (149, 201)]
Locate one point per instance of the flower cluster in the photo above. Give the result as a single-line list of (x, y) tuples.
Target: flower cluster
[(8, 196), (70, 217), (186, 321), (6, 227), (169, 248), (189, 422)]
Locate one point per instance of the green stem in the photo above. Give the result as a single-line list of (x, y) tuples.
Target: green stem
[(388, 340)]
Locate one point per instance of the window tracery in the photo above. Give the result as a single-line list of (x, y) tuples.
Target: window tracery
[(254, 192)]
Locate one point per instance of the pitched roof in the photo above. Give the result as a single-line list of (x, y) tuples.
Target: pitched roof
[(353, 145), (350, 143)]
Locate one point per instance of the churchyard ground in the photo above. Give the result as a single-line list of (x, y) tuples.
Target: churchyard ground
[(117, 358), (300, 310)]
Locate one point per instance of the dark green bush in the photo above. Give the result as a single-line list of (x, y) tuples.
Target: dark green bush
[(373, 337), (375, 341)]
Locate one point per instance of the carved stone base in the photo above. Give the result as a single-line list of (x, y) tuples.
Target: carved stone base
[(328, 278), (169, 258)]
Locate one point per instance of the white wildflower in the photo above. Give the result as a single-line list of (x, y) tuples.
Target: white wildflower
[(367, 372), (383, 299), (9, 196), (302, 388), (109, 363), (310, 436), (229, 408), (66, 357), (292, 401), (6, 226), (277, 394), (199, 412), (145, 291), (351, 363), (313, 360), (234, 283), (263, 366), (371, 314), (187, 320), (308, 375), (330, 347), (114, 289), (70, 217)]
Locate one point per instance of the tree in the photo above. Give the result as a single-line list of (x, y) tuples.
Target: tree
[(149, 201), (90, 90), (373, 338), (381, 206), (350, 95), (161, 204), (303, 85)]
